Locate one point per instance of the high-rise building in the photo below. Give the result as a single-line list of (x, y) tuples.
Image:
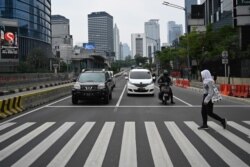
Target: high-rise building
[(152, 33), (125, 51), (138, 45), (117, 43), (100, 32), (62, 42), (34, 24), (174, 31), (188, 5)]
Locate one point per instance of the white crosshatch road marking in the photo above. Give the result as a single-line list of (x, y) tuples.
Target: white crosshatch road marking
[(193, 156), (4, 126), (159, 152), (225, 154), (15, 131), (128, 155), (129, 145)]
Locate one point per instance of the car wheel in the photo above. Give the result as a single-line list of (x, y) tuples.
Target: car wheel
[(106, 100), (74, 100)]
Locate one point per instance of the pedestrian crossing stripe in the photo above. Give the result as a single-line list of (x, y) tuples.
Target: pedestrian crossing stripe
[(222, 151), (128, 152)]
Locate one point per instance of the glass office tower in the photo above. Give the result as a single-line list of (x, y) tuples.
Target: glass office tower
[(100, 31), (34, 24)]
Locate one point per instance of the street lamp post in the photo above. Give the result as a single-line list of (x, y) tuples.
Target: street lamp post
[(152, 52), (186, 27)]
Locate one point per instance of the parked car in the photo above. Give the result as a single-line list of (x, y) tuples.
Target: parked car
[(140, 81), (111, 74), (92, 85)]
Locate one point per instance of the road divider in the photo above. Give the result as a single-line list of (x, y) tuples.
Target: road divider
[(235, 90), (20, 103), (184, 83)]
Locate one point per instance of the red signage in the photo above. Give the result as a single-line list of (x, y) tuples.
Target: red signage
[(9, 42)]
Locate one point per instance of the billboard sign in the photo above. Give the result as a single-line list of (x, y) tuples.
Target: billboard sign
[(9, 42), (89, 46), (243, 2)]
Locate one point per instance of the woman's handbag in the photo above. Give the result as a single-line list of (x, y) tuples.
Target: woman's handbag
[(216, 96)]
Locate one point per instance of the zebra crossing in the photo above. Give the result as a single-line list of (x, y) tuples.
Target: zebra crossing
[(237, 134)]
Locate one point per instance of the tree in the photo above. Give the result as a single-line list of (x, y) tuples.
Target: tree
[(37, 60), (140, 60)]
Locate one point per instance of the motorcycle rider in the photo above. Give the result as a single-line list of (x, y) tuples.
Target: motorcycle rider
[(164, 78)]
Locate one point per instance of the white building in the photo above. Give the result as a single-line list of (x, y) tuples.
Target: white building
[(152, 33), (117, 43), (138, 45), (62, 42)]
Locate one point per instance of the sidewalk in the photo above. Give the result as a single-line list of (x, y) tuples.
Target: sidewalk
[(198, 86)]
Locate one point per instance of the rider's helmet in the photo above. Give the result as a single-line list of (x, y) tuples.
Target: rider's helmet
[(165, 73)]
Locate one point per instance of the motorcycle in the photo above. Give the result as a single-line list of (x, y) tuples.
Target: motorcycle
[(164, 93)]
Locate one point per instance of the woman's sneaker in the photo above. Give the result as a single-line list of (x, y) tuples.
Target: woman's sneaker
[(224, 123), (203, 127)]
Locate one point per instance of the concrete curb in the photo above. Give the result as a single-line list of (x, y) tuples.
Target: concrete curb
[(8, 92), (17, 104)]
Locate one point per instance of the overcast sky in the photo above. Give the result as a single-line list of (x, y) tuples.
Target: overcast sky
[(129, 15)]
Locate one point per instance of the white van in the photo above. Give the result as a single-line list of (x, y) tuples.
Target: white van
[(140, 81)]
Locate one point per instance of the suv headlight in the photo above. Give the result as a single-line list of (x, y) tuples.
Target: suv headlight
[(77, 86), (101, 86)]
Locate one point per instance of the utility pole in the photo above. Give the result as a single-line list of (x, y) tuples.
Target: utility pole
[(186, 27)]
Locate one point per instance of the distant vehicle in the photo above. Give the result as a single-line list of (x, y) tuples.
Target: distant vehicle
[(92, 85), (111, 74), (140, 82)]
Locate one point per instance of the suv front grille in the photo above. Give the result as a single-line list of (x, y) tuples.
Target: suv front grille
[(141, 85), (89, 87)]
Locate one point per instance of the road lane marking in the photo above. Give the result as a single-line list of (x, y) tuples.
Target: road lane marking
[(37, 151), (231, 137), (190, 105), (190, 152), (4, 126), (160, 106), (225, 154), (15, 131), (26, 113), (128, 156), (24, 140), (62, 158), (120, 98), (158, 149), (99, 149), (239, 127)]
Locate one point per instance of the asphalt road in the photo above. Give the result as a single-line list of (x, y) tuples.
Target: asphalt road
[(130, 131)]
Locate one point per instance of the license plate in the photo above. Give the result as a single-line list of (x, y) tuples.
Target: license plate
[(88, 94)]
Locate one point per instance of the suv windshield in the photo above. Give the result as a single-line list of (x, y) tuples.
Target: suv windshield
[(140, 75), (92, 77)]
